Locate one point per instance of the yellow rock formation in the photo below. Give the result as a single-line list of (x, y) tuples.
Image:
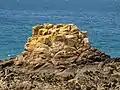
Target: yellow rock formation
[(60, 41)]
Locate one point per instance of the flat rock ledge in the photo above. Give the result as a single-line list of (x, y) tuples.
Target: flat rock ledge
[(59, 57)]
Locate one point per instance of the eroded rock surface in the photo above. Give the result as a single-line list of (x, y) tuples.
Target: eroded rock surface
[(60, 44), (59, 57)]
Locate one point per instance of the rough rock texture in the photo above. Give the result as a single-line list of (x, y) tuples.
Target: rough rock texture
[(59, 57), (93, 76), (60, 44)]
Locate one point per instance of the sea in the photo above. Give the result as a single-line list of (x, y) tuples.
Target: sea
[(101, 18)]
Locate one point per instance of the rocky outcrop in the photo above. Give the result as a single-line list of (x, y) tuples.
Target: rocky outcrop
[(60, 44), (59, 57)]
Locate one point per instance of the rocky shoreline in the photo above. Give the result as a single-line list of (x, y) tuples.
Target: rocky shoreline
[(59, 57)]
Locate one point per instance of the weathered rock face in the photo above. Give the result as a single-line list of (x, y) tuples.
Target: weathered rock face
[(58, 44), (59, 57)]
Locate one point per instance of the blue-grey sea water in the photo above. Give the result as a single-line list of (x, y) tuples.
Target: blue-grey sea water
[(101, 18)]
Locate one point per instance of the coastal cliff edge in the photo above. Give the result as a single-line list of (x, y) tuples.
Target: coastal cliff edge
[(60, 57)]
